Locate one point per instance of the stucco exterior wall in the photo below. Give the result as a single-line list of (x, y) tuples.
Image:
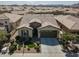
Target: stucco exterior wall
[(27, 29), (5, 22)]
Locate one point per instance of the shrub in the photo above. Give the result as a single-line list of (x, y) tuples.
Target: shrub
[(19, 47), (30, 39), (28, 49), (77, 37), (3, 38), (12, 42), (17, 37), (12, 48), (68, 36), (8, 36), (37, 48), (31, 45)]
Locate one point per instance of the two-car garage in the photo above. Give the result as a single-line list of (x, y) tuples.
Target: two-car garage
[(48, 32)]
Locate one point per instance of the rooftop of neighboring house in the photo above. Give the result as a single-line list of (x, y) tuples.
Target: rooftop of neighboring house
[(13, 17), (2, 16), (18, 8), (71, 22), (10, 16), (18, 12)]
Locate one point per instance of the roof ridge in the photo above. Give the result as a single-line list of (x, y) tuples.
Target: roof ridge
[(4, 15), (73, 25)]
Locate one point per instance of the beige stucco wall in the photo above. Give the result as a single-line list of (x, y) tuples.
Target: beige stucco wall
[(27, 29), (39, 29), (2, 21)]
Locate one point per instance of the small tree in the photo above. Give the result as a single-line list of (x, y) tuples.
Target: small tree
[(8, 36), (18, 39), (68, 36), (12, 48), (3, 38), (77, 38)]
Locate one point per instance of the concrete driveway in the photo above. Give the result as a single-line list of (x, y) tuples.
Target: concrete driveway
[(51, 47)]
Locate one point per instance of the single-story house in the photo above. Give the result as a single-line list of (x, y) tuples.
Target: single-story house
[(38, 25), (14, 20), (47, 25), (9, 21), (18, 12), (68, 23)]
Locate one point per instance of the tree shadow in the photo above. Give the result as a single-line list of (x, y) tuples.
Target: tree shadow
[(71, 55), (49, 41)]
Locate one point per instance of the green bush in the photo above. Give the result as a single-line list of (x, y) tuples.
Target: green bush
[(19, 47), (17, 37), (3, 38), (31, 45), (12, 48), (30, 39), (8, 36), (68, 36), (77, 37)]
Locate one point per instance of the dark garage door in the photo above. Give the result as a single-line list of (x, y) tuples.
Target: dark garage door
[(48, 33)]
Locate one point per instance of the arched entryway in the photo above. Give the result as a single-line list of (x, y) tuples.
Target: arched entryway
[(35, 23)]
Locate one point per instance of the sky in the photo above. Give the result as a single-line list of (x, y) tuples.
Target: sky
[(38, 2)]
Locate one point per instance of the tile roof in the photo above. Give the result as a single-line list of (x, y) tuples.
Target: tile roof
[(48, 18), (2, 16), (71, 22), (48, 24), (13, 17), (18, 12), (35, 20), (24, 25)]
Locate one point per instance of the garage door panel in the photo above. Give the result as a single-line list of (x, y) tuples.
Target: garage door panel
[(48, 33)]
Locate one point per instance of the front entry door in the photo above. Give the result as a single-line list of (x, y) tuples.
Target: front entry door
[(35, 33)]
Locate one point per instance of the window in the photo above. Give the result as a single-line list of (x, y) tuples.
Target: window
[(23, 32), (6, 26), (6, 22), (1, 24)]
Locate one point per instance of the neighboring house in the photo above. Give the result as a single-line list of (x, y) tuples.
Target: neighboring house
[(15, 8), (4, 23), (68, 23), (14, 20), (19, 12), (9, 21), (38, 25)]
